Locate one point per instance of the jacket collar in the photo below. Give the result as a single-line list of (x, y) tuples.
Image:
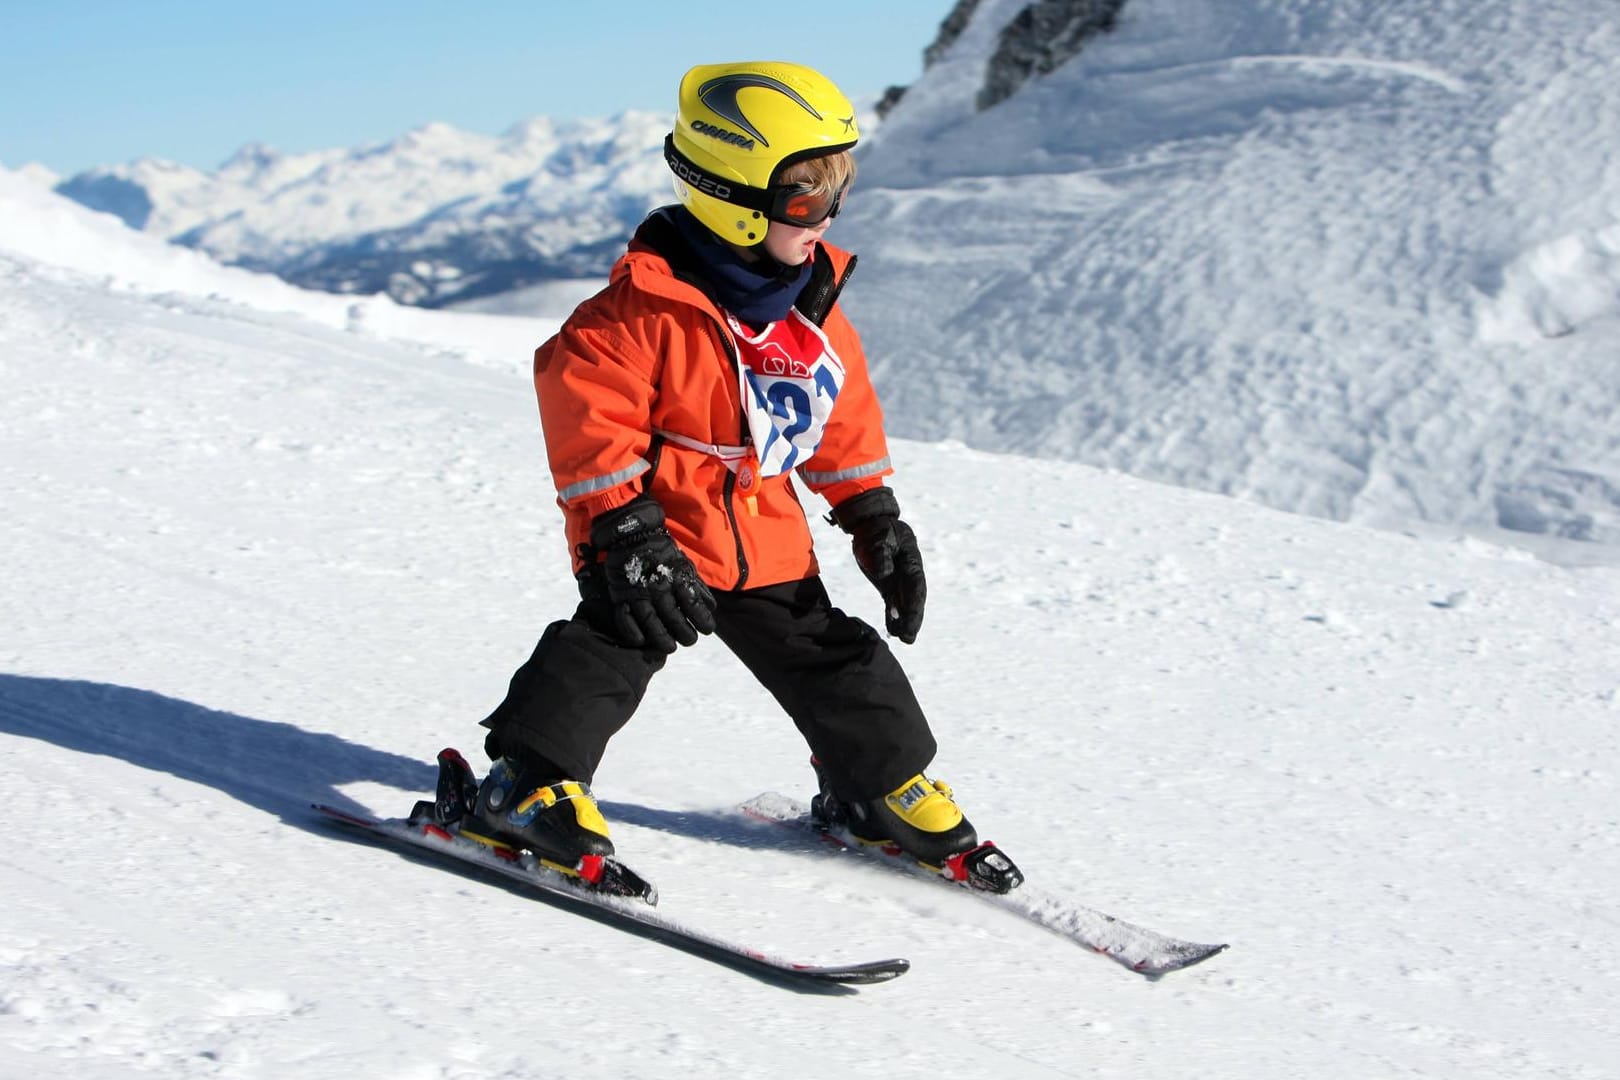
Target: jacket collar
[(661, 262)]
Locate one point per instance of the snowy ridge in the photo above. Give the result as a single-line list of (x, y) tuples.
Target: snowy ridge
[(48, 228), (1348, 259), (255, 559)]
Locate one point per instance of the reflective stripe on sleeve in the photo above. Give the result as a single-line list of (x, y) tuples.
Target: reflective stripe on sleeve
[(824, 479), (602, 483)]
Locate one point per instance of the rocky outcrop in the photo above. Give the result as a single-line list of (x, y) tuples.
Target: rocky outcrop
[(949, 31), (1036, 40), (1039, 39)]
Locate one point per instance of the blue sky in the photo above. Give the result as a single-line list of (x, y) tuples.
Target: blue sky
[(95, 82)]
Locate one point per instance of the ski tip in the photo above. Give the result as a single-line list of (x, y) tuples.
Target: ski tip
[(875, 971), (890, 969), (1183, 959)]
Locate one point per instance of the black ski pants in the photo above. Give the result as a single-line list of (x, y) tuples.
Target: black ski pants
[(831, 672)]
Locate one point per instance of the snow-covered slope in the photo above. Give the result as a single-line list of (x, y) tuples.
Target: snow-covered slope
[(1345, 257), (256, 558), (1351, 258), (37, 224)]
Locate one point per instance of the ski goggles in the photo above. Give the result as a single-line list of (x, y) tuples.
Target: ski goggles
[(790, 204), (805, 207)]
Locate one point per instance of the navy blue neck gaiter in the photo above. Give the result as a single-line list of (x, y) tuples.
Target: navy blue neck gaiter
[(756, 293)]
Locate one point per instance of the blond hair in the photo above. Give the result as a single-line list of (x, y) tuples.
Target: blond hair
[(825, 174)]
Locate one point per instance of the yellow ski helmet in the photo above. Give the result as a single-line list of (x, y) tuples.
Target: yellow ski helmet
[(737, 126)]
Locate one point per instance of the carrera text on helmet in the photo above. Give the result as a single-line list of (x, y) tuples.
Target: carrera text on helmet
[(720, 95), (715, 132)]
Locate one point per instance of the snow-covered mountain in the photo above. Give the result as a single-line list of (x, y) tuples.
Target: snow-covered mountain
[(265, 547), (435, 216), (1344, 257)]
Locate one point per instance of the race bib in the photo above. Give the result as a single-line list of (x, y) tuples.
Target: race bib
[(790, 379)]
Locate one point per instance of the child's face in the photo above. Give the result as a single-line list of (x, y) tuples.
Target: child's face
[(792, 244)]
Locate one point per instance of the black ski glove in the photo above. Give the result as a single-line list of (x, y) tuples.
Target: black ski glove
[(657, 597), (886, 549)]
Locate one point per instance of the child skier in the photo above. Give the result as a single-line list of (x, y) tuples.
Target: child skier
[(675, 403)]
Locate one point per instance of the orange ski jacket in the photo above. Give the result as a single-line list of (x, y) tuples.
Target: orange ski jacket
[(640, 391)]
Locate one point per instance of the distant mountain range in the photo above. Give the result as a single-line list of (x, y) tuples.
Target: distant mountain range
[(441, 216), (433, 217)]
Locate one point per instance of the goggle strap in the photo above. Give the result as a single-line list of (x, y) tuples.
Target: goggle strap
[(690, 172)]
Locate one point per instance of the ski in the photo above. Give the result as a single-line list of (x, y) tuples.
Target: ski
[(1146, 952), (632, 913)]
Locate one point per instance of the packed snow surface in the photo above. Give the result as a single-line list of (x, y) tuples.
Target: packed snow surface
[(264, 548)]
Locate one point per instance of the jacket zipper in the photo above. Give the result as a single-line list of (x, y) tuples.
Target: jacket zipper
[(745, 439), (728, 490), (838, 289), (818, 306)]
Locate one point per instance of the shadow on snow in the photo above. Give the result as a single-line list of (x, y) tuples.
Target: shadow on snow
[(274, 767)]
